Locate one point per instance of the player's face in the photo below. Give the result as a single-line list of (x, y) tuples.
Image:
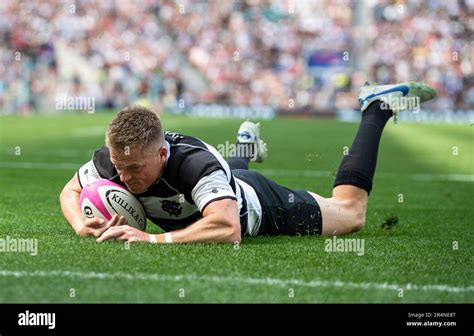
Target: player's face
[(139, 168)]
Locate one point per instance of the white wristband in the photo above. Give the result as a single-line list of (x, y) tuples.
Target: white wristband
[(152, 239), (168, 238)]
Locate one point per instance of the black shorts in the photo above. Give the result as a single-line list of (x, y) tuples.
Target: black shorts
[(284, 211)]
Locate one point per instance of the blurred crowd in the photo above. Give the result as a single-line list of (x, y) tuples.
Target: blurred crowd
[(429, 40), (285, 54)]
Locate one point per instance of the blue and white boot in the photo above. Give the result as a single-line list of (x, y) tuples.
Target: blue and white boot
[(396, 97), (249, 133)]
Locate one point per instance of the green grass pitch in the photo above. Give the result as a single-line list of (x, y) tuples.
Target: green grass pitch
[(424, 177)]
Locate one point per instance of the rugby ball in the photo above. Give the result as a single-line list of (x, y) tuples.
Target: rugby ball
[(104, 198)]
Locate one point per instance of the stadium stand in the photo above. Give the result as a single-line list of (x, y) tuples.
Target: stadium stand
[(292, 56)]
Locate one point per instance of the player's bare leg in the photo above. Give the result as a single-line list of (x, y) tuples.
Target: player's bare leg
[(345, 211)]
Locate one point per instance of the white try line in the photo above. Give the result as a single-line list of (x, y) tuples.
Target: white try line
[(285, 283), (268, 172)]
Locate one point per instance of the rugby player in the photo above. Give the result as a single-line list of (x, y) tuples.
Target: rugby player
[(194, 195)]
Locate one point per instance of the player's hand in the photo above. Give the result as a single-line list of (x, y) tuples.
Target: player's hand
[(96, 226), (124, 233)]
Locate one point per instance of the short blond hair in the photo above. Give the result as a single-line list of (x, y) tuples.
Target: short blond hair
[(134, 126)]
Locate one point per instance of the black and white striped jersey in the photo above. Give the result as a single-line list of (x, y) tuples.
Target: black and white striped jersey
[(194, 176)]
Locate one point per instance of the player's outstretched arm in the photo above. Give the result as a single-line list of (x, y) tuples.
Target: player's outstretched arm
[(220, 224), (69, 200)]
